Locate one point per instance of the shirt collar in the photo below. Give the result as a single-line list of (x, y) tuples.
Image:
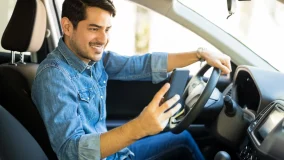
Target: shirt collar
[(71, 58)]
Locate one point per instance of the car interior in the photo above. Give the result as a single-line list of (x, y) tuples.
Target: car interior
[(238, 117)]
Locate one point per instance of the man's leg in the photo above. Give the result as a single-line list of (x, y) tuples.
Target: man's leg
[(166, 146)]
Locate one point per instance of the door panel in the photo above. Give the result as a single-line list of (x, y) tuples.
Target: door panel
[(126, 99)]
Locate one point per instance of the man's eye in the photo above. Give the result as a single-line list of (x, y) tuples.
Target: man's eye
[(107, 30), (94, 29)]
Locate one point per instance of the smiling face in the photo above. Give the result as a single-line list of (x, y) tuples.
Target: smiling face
[(90, 37)]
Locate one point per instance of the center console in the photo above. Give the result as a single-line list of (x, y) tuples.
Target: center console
[(266, 135)]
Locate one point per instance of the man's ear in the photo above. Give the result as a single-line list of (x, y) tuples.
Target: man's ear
[(67, 26)]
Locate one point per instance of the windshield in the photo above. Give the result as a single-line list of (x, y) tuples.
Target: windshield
[(258, 24)]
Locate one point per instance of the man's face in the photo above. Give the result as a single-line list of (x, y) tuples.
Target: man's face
[(91, 36)]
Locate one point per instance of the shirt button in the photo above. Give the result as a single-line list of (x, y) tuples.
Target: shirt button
[(104, 81), (102, 97), (88, 67)]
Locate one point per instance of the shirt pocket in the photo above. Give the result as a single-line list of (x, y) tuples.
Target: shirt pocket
[(89, 105), (87, 95)]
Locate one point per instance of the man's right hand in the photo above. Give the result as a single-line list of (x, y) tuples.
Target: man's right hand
[(153, 118)]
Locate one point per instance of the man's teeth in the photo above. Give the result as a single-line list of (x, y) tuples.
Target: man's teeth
[(96, 46)]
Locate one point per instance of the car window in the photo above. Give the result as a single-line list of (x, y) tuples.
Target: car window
[(138, 30), (257, 24)]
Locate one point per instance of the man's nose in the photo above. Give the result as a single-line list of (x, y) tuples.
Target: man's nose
[(102, 37)]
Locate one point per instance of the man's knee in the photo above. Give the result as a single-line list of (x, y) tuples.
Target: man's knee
[(184, 138)]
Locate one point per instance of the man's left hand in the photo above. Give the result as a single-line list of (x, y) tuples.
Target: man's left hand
[(218, 60)]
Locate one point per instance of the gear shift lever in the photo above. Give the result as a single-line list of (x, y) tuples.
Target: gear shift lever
[(222, 155), (230, 107)]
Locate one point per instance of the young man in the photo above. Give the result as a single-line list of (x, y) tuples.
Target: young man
[(70, 91)]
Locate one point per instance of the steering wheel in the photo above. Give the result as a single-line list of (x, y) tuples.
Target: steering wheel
[(197, 92)]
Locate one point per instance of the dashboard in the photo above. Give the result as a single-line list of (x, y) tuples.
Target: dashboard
[(255, 88), (261, 94)]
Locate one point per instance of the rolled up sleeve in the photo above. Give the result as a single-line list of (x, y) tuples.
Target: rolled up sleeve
[(89, 147), (144, 67), (159, 65)]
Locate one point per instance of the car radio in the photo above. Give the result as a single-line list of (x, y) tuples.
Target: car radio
[(266, 133)]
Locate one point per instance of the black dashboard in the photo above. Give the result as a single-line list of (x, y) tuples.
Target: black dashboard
[(260, 93), (255, 88)]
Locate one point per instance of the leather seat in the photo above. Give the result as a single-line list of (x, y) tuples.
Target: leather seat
[(15, 146), (25, 32)]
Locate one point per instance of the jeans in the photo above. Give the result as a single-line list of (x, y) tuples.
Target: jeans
[(166, 146)]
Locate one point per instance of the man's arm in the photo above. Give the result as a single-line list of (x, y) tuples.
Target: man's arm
[(55, 97), (139, 67), (178, 60), (155, 66)]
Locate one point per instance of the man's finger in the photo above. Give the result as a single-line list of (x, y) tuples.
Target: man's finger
[(227, 63), (169, 103), (159, 95), (224, 69), (171, 112)]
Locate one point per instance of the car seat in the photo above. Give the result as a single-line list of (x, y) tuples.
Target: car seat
[(15, 141), (25, 32)]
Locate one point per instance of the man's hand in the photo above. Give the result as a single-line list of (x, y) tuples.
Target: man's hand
[(218, 60), (153, 118), (183, 59)]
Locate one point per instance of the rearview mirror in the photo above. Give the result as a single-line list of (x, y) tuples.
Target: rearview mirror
[(231, 4)]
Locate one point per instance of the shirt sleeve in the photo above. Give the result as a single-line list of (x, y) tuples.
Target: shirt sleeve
[(55, 96), (139, 67)]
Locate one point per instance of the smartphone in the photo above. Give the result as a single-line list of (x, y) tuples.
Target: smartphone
[(178, 81)]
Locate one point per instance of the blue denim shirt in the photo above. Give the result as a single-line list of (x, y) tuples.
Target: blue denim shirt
[(71, 97)]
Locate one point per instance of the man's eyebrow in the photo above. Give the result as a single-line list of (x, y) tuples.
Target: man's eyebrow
[(98, 26), (95, 25)]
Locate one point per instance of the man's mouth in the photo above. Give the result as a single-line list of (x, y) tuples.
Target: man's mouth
[(97, 46)]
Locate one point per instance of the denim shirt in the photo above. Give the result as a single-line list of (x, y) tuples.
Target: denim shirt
[(71, 97)]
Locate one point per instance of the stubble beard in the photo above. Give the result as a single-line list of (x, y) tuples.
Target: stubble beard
[(78, 51)]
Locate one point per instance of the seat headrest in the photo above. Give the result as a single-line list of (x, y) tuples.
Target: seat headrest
[(26, 28)]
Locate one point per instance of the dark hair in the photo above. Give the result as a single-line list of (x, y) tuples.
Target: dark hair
[(75, 10)]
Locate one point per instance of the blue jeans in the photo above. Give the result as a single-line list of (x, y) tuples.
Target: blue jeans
[(166, 146)]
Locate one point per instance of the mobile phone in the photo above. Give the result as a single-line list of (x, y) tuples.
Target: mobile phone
[(178, 81)]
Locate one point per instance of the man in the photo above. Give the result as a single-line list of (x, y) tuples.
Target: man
[(70, 91)]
